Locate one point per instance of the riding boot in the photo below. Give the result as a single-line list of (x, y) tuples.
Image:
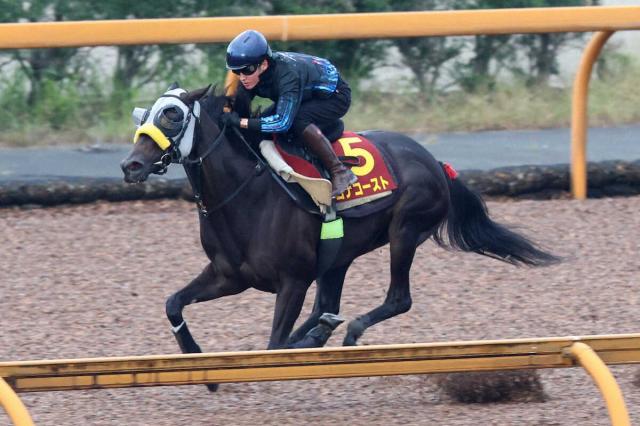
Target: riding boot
[(319, 145)]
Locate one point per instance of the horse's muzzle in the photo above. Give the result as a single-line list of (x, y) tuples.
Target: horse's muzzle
[(134, 171)]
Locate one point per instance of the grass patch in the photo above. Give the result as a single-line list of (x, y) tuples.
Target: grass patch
[(66, 115), (612, 101), (508, 107)]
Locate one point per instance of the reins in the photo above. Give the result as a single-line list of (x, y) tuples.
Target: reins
[(193, 170), (262, 164), (213, 145)]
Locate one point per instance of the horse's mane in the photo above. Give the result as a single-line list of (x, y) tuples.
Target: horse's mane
[(213, 103), (242, 103)]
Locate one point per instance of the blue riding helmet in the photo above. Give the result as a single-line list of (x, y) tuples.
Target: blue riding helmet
[(248, 48)]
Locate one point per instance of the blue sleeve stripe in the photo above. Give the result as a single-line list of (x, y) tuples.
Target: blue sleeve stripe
[(329, 80), (280, 121)]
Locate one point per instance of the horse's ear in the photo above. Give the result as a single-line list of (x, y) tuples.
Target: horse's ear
[(174, 85), (198, 94)]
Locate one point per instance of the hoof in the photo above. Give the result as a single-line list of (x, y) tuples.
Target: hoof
[(331, 320), (213, 387), (354, 332), (349, 341)]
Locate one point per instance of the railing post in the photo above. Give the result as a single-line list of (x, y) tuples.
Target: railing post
[(579, 115), (604, 380), (13, 405)]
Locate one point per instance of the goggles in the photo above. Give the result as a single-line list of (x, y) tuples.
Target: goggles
[(248, 70)]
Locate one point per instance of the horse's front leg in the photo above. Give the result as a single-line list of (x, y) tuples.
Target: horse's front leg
[(289, 301), (206, 286)]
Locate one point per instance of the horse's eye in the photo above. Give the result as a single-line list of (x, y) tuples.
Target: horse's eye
[(170, 120), (174, 114)]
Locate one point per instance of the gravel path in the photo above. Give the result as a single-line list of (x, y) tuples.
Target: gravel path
[(91, 280)]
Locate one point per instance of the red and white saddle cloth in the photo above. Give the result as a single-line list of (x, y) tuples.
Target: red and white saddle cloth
[(375, 180)]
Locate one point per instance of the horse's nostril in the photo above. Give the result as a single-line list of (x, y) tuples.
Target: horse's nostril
[(133, 166)]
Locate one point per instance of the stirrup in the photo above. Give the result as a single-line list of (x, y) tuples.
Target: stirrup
[(338, 190)]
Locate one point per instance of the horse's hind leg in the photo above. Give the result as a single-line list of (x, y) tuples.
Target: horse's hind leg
[(328, 293), (403, 245)]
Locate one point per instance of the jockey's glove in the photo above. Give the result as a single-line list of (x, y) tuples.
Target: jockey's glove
[(230, 119)]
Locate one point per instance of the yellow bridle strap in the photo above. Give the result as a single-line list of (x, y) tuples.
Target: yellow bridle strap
[(154, 133)]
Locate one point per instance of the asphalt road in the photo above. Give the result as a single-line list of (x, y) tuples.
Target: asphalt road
[(480, 150)]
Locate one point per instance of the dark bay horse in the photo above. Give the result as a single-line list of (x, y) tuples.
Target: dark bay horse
[(255, 236)]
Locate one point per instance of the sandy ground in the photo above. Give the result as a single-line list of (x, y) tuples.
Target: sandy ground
[(91, 280)]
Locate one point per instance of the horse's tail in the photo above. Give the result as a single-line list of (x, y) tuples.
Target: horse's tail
[(469, 228)]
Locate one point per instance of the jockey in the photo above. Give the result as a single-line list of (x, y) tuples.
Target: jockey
[(308, 94)]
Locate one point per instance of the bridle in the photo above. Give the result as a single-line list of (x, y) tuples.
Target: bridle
[(174, 154), (193, 163)]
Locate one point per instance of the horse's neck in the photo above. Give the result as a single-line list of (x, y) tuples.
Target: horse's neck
[(225, 170), (234, 193)]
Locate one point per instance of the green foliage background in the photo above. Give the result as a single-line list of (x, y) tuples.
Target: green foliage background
[(456, 83)]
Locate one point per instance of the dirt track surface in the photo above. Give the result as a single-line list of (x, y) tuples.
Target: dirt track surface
[(91, 281)]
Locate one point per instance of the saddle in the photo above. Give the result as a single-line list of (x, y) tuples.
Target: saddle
[(376, 179)]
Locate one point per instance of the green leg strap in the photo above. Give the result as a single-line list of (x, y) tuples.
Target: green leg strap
[(332, 230), (330, 242)]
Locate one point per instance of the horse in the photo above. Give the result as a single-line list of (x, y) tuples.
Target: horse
[(255, 236)]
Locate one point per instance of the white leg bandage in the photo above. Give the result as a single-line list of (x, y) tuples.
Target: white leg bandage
[(176, 329)]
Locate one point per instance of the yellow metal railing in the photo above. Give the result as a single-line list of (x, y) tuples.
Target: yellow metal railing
[(602, 19), (320, 27), (604, 380), (13, 406), (300, 364), (579, 114)]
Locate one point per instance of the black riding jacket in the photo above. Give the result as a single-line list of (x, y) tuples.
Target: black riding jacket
[(291, 79)]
